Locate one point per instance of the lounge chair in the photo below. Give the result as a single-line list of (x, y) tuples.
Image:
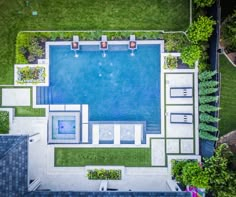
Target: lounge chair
[(103, 43), (181, 118), (75, 43), (181, 92)]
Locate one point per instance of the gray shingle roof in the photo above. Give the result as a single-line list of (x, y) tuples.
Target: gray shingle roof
[(13, 165)]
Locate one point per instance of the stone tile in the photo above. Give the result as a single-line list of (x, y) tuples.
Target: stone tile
[(187, 146), (172, 145)]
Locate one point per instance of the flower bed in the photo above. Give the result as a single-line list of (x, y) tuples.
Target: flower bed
[(102, 174), (31, 75)]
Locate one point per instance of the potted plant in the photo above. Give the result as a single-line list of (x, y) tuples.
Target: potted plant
[(170, 62)]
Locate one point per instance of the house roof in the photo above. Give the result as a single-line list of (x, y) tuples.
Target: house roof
[(13, 165)]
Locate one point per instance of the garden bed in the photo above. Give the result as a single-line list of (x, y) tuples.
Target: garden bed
[(31, 74), (103, 174)]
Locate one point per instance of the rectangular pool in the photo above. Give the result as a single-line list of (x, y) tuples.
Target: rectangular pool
[(119, 87)]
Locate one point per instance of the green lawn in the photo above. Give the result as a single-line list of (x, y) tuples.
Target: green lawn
[(29, 111), (228, 96), (4, 122), (16, 16), (129, 157)]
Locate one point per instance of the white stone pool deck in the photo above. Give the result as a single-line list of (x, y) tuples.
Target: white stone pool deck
[(176, 141)]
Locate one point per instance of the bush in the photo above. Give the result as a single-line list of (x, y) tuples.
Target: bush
[(203, 66), (207, 136), (102, 174), (221, 179), (228, 32), (201, 29), (204, 3), (190, 55), (208, 118), (207, 91), (194, 175), (208, 108), (177, 169), (208, 99), (207, 75), (35, 49), (4, 122), (208, 84), (206, 127), (174, 42)]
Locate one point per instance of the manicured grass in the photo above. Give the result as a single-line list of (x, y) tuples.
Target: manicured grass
[(29, 111), (66, 157), (228, 96), (17, 16), (4, 122)]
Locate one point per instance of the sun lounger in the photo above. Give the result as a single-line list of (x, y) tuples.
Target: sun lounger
[(181, 92), (103, 43), (181, 118)]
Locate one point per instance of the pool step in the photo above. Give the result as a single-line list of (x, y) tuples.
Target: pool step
[(44, 95), (152, 127)]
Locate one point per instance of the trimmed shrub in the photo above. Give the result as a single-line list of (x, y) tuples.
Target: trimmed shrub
[(208, 118), (207, 136), (207, 91), (4, 122), (207, 75), (206, 127), (102, 174), (208, 99), (208, 84), (190, 55), (201, 29), (208, 108)]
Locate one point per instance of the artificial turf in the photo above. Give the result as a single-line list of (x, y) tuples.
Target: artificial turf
[(129, 157), (67, 15), (228, 96), (29, 111)]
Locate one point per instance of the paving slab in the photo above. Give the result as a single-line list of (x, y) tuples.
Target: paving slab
[(158, 152), (187, 146), (16, 97), (172, 145)]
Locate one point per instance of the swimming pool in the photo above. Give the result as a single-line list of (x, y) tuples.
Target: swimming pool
[(119, 87)]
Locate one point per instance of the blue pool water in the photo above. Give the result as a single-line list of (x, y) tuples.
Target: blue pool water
[(117, 88)]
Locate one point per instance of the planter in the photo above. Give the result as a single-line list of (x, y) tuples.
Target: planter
[(102, 174), (31, 75)]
